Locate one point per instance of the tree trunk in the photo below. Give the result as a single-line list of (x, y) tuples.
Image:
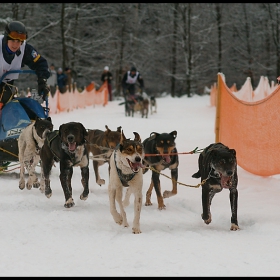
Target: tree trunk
[(219, 31), (174, 58), (62, 30)]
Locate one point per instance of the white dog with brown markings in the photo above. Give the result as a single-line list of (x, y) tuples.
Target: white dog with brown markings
[(126, 171), (30, 142)]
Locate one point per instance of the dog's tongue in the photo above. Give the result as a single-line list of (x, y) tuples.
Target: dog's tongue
[(226, 181), (136, 166), (166, 158), (72, 146)]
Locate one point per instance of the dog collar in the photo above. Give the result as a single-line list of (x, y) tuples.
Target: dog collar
[(124, 178)]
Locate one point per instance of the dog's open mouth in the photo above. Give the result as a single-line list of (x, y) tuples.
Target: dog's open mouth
[(226, 181), (135, 166), (72, 146), (166, 158)]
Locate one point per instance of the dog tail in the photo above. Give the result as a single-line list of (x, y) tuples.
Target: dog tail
[(197, 174)]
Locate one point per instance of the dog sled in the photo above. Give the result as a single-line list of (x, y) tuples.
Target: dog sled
[(15, 115)]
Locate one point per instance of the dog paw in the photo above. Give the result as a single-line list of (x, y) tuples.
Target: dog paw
[(36, 185), (125, 224), (69, 203), (161, 207), (234, 227), (118, 219), (21, 185), (148, 203), (167, 194), (207, 220), (100, 182), (82, 197), (28, 186), (48, 193), (136, 230)]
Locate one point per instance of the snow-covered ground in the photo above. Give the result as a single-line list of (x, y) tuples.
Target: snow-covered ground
[(39, 237)]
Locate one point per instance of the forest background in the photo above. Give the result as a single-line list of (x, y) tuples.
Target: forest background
[(177, 47)]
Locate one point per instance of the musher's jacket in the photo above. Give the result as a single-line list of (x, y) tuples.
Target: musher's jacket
[(26, 55), (128, 79)]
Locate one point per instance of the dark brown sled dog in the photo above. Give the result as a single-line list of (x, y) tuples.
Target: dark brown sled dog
[(66, 146), (164, 145), (218, 166)]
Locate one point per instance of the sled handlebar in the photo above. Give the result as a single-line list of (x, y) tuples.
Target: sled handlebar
[(16, 71), (24, 72)]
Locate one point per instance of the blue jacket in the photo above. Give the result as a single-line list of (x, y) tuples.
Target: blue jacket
[(61, 80)]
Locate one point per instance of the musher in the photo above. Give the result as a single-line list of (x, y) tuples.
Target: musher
[(14, 54)]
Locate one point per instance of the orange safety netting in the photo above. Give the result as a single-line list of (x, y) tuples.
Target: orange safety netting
[(251, 128), (65, 102), (213, 93)]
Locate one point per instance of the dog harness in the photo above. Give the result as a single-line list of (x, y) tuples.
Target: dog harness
[(55, 134), (124, 178)]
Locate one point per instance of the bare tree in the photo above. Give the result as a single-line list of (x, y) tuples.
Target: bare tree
[(178, 47), (174, 47), (219, 31)]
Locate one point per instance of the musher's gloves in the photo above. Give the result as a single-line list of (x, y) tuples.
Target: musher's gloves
[(43, 88)]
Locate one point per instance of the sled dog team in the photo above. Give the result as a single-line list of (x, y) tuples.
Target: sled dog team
[(72, 145)]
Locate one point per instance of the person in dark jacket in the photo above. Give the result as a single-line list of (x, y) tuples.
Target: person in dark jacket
[(16, 53), (129, 81), (61, 80), (107, 76)]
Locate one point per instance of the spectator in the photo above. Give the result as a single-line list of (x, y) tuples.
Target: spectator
[(107, 76), (61, 80), (69, 81), (15, 52), (129, 81), (52, 80)]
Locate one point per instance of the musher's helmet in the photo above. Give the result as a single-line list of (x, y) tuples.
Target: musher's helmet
[(15, 30)]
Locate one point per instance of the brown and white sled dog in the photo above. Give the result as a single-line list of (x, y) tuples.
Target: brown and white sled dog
[(126, 171), (101, 145), (30, 143)]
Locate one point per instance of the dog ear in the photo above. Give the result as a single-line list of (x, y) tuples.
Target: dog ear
[(119, 129), (60, 130), (137, 137), (232, 151), (84, 130), (153, 135), (49, 119), (123, 138), (173, 133), (107, 130)]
